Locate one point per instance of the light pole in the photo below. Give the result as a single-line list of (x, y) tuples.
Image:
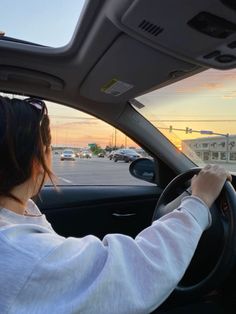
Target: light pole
[(112, 139), (115, 137), (125, 141), (227, 146)]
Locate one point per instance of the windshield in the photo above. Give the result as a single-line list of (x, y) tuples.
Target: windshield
[(198, 115)]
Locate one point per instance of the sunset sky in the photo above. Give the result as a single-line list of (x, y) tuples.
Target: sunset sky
[(72, 127), (206, 101)]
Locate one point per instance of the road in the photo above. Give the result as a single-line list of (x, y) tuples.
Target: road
[(94, 171), (99, 171)]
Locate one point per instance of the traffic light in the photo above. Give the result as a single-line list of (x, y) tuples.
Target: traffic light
[(170, 128), (186, 130)]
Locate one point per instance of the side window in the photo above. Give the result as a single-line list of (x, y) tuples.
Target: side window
[(88, 151)]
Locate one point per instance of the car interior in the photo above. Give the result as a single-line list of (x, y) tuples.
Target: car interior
[(120, 50)]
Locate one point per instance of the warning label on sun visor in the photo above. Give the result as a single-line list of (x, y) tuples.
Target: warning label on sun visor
[(116, 88)]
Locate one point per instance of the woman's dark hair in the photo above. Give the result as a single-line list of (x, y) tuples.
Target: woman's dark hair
[(24, 134)]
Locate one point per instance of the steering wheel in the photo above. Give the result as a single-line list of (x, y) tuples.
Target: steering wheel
[(215, 256)]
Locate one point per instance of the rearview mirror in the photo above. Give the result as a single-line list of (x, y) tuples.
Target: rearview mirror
[(143, 168)]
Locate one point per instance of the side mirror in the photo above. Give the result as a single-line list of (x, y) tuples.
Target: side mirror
[(144, 169)]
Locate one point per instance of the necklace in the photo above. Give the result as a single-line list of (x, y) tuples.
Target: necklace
[(27, 213)]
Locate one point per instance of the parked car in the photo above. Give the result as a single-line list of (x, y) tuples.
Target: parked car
[(68, 154), (126, 155), (160, 72)]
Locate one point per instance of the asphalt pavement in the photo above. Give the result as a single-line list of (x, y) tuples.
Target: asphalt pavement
[(100, 171), (94, 171)]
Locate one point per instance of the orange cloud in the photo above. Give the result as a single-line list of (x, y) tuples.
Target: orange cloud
[(202, 87), (230, 95), (207, 80), (81, 134)]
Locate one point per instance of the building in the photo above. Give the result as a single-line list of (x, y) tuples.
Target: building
[(212, 149)]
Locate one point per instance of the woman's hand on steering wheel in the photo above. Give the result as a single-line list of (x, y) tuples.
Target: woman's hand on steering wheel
[(215, 256), (209, 182)]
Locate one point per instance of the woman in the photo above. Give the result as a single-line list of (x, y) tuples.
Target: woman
[(42, 272)]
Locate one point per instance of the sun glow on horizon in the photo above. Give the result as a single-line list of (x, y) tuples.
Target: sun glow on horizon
[(70, 127), (206, 101)]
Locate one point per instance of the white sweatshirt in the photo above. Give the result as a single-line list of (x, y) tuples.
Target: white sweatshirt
[(42, 272)]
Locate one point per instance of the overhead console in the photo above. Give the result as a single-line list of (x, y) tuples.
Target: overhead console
[(201, 31)]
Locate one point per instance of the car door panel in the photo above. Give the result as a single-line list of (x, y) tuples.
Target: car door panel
[(99, 210)]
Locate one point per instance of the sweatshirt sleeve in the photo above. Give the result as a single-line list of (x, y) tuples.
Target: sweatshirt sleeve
[(119, 274)]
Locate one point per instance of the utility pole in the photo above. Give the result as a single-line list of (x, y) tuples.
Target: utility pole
[(227, 147), (125, 141), (112, 139), (115, 137)]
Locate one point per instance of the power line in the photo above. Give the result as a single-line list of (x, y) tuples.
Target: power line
[(196, 120), (71, 117)]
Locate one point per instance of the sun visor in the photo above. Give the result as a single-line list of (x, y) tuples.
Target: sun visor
[(129, 68)]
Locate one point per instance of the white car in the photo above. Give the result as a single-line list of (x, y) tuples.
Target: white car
[(68, 154), (85, 154)]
